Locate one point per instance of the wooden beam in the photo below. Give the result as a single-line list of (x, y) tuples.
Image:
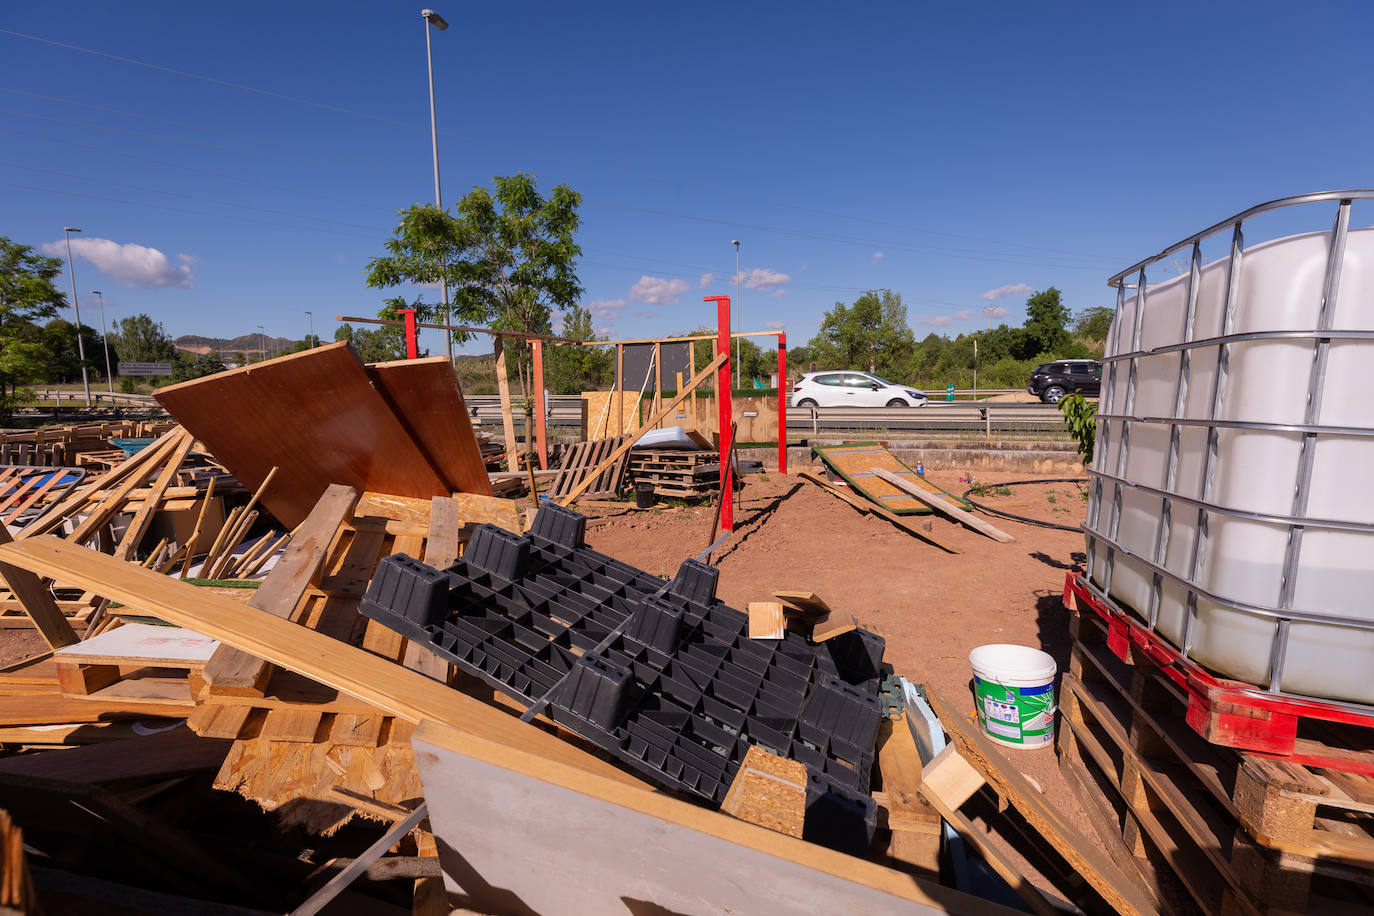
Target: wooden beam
[(233, 671), (389, 687), (503, 389), (152, 502), (864, 505), (630, 440), (966, 519), (38, 602)]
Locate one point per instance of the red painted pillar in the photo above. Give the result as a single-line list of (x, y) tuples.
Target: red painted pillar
[(727, 477), (783, 395), (539, 406), (412, 344)]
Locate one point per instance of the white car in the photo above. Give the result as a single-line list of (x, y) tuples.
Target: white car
[(853, 389)]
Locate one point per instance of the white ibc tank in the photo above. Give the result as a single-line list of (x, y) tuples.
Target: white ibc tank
[(1255, 472)]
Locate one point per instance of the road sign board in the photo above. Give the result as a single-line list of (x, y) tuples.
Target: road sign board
[(128, 368)]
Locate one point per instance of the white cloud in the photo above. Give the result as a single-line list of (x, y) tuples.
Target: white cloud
[(934, 321), (658, 291), (557, 324), (1014, 289), (188, 260), (964, 314), (878, 256), (603, 330), (130, 264), (607, 309), (706, 280), (997, 311), (778, 293), (775, 326), (760, 278), (644, 313)]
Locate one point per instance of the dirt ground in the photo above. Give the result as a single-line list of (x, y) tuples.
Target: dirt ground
[(930, 606)]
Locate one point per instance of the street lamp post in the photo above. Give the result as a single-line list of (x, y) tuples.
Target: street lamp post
[(311, 315), (739, 310), (104, 338), (432, 18), (80, 346), (262, 344)]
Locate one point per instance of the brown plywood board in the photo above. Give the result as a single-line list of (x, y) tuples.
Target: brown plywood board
[(316, 417), (424, 395), (601, 421)]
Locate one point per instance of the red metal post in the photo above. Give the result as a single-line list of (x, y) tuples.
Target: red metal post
[(539, 405), (727, 478), (783, 395), (412, 344)]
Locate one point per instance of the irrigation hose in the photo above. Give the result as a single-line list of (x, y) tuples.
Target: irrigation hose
[(1022, 518)]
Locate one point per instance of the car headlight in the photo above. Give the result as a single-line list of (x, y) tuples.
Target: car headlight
[(918, 395)]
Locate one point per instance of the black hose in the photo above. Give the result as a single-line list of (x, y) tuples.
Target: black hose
[(1022, 518)]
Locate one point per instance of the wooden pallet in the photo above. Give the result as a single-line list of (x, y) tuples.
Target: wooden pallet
[(584, 457), (1239, 832), (684, 474), (855, 461)]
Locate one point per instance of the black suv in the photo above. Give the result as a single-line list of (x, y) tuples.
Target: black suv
[(1051, 381)]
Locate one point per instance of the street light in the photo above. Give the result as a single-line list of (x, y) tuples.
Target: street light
[(311, 315), (262, 344), (739, 311), (80, 347), (105, 339), (432, 18)]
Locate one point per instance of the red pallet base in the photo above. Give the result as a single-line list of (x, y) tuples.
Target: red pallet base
[(1227, 712)]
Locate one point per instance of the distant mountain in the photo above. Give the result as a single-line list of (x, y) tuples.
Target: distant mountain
[(244, 343)]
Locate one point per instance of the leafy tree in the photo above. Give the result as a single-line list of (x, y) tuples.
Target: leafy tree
[(573, 369), (1047, 321), (186, 366), (63, 356), (1094, 323), (139, 339), (383, 344), (310, 342), (27, 295), (508, 257), (754, 361), (871, 334)]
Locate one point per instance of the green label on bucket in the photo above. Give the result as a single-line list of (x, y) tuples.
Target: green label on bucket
[(1016, 715)]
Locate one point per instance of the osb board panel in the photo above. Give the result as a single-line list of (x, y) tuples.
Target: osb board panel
[(761, 427), (601, 420), (854, 461), (424, 395), (316, 417)]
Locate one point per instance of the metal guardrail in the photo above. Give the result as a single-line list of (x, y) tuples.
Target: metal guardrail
[(52, 394)]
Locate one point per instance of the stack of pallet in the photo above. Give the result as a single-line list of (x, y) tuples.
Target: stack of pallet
[(679, 473), (1152, 758), (55, 446)]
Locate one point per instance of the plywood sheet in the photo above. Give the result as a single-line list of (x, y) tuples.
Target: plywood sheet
[(316, 417), (424, 395), (142, 643), (855, 461), (601, 420)]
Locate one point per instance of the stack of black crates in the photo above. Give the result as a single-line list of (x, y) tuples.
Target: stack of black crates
[(679, 692)]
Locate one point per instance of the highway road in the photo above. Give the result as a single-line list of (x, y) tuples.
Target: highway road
[(936, 416)]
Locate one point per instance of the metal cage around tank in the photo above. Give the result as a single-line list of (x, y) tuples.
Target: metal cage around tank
[(1102, 524)]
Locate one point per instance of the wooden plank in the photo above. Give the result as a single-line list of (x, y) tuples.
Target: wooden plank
[(424, 395), (966, 519), (167, 753), (142, 644), (198, 529), (442, 543), (231, 670), (61, 511), (770, 791), (503, 389), (390, 687), (133, 535), (313, 414), (216, 563), (864, 505), (630, 439), (806, 606), (766, 620), (1101, 872), (107, 508), (38, 602), (854, 462)]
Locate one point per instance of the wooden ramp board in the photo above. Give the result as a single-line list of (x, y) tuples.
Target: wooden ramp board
[(313, 415), (854, 462), (424, 395)]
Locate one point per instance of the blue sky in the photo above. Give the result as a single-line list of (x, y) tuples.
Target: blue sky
[(246, 169)]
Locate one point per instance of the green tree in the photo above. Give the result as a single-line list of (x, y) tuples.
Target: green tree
[(507, 256), (1047, 322), (574, 369), (1094, 323), (63, 355), (139, 339), (187, 366), (872, 335), (385, 342), (27, 295)]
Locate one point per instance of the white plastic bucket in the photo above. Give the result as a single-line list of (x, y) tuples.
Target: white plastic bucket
[(1014, 690)]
